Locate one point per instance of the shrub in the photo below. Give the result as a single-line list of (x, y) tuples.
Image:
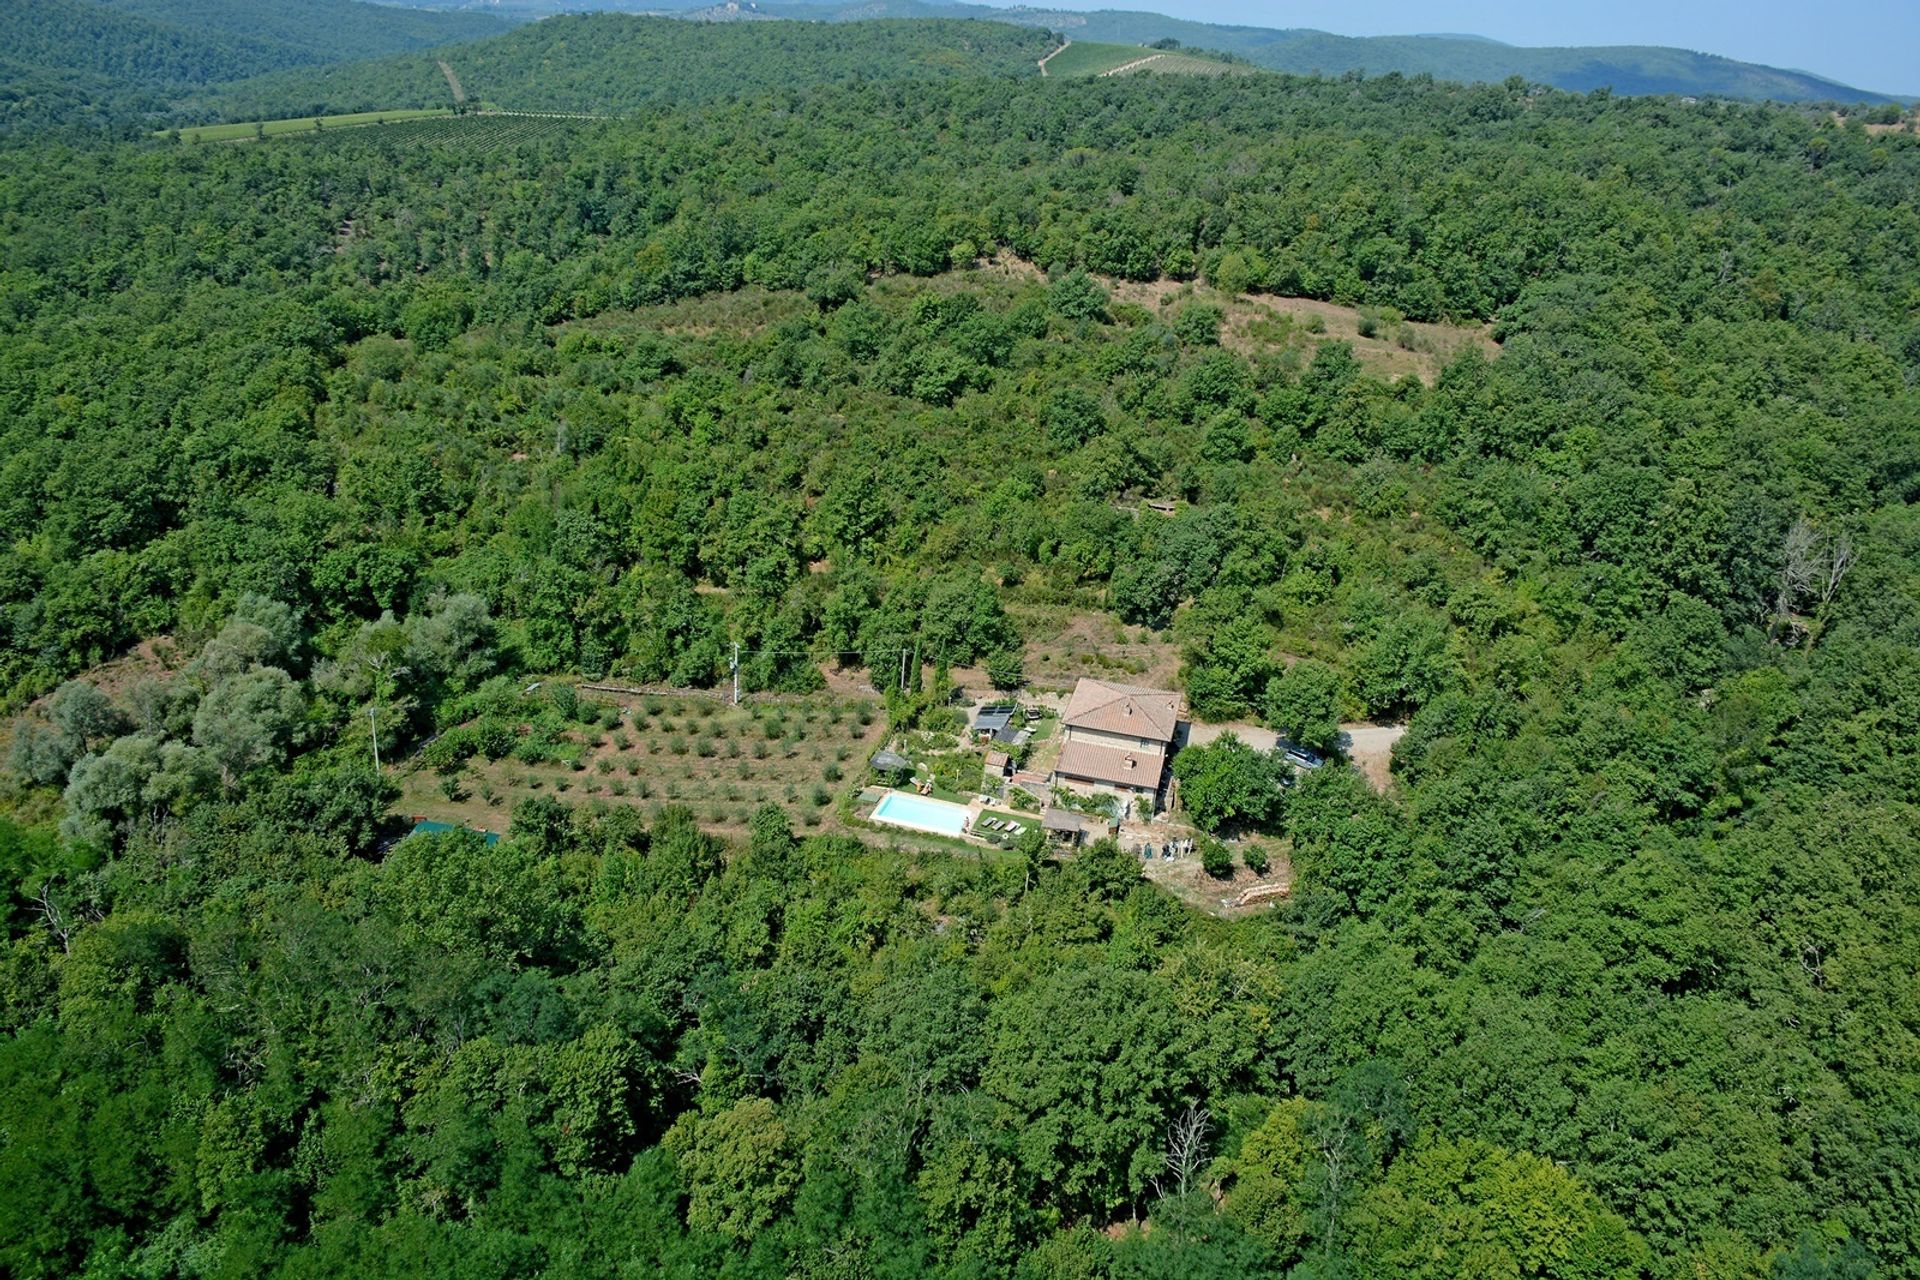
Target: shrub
[(1215, 860), (493, 737), (677, 745), (833, 773), (1256, 859), (603, 767)]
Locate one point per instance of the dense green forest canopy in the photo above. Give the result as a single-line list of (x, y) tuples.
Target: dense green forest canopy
[(1619, 979), (616, 64), (107, 63)]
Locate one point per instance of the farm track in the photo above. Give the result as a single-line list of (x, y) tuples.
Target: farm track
[(453, 81), (1065, 45)]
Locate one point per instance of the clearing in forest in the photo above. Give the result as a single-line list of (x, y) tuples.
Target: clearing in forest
[(305, 124), (723, 762), (453, 81), (1262, 323), (1080, 60)]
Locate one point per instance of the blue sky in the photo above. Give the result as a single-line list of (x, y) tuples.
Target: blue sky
[(1869, 44)]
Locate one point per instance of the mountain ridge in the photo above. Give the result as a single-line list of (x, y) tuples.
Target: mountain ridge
[(1628, 69)]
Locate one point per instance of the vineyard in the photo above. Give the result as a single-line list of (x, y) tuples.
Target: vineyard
[(1180, 64)]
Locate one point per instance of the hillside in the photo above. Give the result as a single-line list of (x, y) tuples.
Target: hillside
[(105, 62), (1624, 69), (474, 588), (608, 64), (319, 30)]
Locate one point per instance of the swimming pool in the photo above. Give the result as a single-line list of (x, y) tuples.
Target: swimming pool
[(902, 809)]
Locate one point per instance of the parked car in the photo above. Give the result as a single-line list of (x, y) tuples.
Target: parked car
[(1301, 758)]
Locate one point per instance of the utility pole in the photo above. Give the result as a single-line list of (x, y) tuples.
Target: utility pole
[(736, 673), (373, 735)]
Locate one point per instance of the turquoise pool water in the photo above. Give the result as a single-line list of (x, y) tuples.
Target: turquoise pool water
[(919, 813)]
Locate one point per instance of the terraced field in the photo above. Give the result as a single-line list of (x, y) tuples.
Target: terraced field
[(1081, 60)]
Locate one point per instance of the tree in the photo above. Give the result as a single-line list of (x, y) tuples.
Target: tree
[(1228, 783), (452, 641), (1215, 860), (1404, 666), (1454, 1210), (1073, 417), (41, 753), (1231, 670), (1198, 324), (1267, 1187), (1812, 567), (81, 713), (1004, 670), (247, 720), (1077, 296), (1303, 704), (738, 1166)]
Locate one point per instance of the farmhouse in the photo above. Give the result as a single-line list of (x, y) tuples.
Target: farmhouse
[(1116, 739)]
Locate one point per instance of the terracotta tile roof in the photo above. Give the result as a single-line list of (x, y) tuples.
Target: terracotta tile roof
[(1114, 765), (1119, 708)]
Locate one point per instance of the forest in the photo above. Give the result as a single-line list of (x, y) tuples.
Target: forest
[(90, 66), (366, 433)]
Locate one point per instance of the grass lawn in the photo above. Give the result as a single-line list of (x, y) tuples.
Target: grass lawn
[(304, 124)]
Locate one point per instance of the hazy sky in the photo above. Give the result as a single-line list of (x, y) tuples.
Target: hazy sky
[(1869, 44)]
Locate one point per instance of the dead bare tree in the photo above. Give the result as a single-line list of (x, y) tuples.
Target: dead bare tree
[(1186, 1153), (1840, 557), (1812, 567), (1799, 569), (56, 919)]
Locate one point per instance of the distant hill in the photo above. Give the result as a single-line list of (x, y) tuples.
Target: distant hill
[(319, 30), (1626, 69), (613, 63), (67, 61)]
